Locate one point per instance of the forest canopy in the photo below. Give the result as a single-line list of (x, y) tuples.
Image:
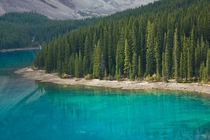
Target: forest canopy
[(163, 40), (19, 30)]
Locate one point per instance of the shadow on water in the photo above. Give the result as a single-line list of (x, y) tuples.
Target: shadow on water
[(10, 61)]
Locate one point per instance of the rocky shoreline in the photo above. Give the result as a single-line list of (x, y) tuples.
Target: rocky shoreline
[(40, 75)]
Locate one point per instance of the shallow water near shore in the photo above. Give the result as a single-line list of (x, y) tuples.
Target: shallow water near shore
[(34, 110)]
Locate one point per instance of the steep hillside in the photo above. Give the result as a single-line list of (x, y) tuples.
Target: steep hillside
[(167, 39), (18, 30)]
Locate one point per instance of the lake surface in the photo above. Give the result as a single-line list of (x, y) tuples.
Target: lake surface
[(30, 110)]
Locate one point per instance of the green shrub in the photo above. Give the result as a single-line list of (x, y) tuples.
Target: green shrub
[(156, 77), (64, 76), (88, 77), (148, 78)]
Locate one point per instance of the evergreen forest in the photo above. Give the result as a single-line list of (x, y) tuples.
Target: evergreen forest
[(168, 39), (19, 30)]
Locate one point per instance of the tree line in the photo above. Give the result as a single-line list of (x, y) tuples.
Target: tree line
[(164, 43), (18, 30)]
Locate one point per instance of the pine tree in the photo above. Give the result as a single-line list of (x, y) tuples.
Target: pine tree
[(197, 59), (164, 75), (71, 65), (76, 66), (127, 59), (150, 64), (140, 71), (176, 56), (105, 49), (120, 56), (203, 73), (80, 65), (49, 60), (67, 54), (111, 51), (134, 65), (59, 64), (157, 57), (167, 62), (184, 59), (87, 57), (189, 65), (181, 66), (97, 61), (192, 53)]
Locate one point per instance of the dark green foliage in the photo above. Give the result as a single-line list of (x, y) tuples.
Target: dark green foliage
[(127, 59), (176, 56), (164, 74), (18, 30), (134, 66), (151, 40), (150, 55), (97, 62)]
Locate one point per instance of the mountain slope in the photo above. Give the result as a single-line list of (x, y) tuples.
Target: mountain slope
[(70, 9), (167, 39)]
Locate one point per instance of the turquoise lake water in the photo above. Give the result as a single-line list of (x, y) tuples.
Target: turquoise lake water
[(30, 110)]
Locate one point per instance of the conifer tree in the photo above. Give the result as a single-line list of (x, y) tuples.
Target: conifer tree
[(167, 62), (189, 65), (120, 56), (127, 59), (164, 75), (80, 65), (97, 60), (71, 65), (76, 66), (111, 51), (134, 65), (197, 58), (87, 57), (192, 53), (150, 64), (157, 57), (176, 56), (184, 59), (181, 67), (59, 64), (140, 71)]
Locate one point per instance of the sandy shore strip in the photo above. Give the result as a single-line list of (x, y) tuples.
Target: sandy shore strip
[(40, 75), (19, 49)]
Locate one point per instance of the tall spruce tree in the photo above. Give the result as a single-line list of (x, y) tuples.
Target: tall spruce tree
[(120, 55), (181, 67), (157, 56), (127, 59), (150, 60), (189, 65), (184, 59), (176, 56), (134, 65), (140, 69), (167, 61), (97, 60), (164, 75)]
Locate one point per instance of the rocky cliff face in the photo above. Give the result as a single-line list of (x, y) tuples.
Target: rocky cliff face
[(70, 9)]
